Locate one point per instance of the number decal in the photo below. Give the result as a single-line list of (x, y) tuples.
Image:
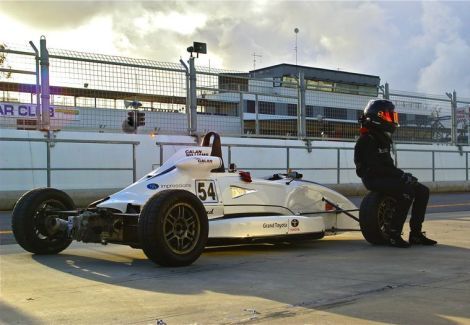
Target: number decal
[(201, 191), (206, 191)]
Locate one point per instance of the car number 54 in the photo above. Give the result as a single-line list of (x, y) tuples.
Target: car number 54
[(206, 191)]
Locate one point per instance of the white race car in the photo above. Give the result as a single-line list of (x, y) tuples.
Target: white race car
[(190, 202)]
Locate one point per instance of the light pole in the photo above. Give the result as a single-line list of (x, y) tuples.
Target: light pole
[(296, 31)]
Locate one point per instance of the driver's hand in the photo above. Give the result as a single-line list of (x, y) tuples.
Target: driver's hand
[(408, 178)]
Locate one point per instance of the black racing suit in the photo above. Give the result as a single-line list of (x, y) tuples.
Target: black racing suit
[(375, 166)]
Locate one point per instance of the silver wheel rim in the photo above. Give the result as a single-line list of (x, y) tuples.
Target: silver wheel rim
[(181, 228), (41, 218)]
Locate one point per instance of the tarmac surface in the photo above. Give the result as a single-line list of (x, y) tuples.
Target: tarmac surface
[(337, 280)]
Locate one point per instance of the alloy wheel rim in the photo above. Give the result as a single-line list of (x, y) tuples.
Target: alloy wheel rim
[(181, 228)]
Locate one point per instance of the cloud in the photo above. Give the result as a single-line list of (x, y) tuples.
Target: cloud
[(55, 14), (449, 67), (414, 46)]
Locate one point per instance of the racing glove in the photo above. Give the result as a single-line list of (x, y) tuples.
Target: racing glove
[(408, 178)]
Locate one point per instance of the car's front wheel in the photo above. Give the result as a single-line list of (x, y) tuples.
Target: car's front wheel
[(173, 228)]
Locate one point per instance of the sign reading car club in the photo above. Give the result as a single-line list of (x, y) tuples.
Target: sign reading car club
[(28, 111)]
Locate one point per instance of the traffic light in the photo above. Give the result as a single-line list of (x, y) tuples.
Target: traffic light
[(131, 118), (140, 119)]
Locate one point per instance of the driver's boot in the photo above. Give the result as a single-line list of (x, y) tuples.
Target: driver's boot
[(419, 238), (396, 240)]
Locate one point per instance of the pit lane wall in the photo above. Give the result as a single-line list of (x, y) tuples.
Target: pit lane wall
[(91, 165)]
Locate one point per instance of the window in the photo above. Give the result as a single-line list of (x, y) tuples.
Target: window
[(402, 118), (292, 109), (336, 113), (266, 108), (289, 82), (354, 89), (309, 111), (250, 106), (421, 119), (319, 85), (359, 114)]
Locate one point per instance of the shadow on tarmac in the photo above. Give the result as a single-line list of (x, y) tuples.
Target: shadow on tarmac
[(11, 315), (347, 277)]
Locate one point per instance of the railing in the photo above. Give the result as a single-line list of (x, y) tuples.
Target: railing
[(339, 150), (49, 144)]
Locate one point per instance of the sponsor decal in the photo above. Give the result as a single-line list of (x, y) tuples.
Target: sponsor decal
[(152, 186), (175, 186), (275, 225), (237, 191), (17, 110), (294, 225), (204, 161), (191, 152), (211, 211)]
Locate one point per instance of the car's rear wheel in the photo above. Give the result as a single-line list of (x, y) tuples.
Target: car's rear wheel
[(33, 216), (375, 215), (173, 228)]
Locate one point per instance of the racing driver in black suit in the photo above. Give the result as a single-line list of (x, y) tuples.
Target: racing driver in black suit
[(375, 166)]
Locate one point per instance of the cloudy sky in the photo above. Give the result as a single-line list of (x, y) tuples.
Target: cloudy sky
[(415, 46)]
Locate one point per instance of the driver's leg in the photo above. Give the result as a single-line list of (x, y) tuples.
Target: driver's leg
[(419, 207), (417, 237)]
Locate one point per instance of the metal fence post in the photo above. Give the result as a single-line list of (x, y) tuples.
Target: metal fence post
[(256, 115), (188, 96), (338, 169), (386, 91), (240, 105), (301, 116), (193, 97), (288, 158), (134, 164), (38, 99), (48, 158), (45, 94), (453, 111), (433, 167), (466, 166)]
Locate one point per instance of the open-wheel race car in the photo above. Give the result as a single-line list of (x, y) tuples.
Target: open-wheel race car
[(190, 202)]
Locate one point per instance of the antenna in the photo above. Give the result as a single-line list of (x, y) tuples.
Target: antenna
[(296, 31), (254, 59)]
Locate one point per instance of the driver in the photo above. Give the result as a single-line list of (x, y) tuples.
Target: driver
[(375, 166)]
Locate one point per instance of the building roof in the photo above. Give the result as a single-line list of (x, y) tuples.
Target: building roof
[(285, 69)]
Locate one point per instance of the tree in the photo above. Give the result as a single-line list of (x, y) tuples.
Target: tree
[(4, 62)]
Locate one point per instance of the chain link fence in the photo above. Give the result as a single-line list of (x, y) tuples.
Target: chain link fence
[(89, 92)]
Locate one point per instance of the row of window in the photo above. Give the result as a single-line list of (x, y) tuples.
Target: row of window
[(311, 111), (325, 112), (329, 86)]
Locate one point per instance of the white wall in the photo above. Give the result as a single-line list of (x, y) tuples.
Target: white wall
[(318, 165)]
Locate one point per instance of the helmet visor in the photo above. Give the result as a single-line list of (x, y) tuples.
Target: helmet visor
[(388, 116)]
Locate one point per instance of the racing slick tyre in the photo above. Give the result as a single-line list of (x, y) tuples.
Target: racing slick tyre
[(173, 228), (375, 214), (33, 217)]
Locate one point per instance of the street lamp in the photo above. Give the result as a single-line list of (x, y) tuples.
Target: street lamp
[(296, 31)]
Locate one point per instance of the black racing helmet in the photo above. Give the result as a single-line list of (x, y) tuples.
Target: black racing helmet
[(380, 114)]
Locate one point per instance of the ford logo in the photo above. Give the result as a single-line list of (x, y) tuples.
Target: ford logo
[(152, 186)]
